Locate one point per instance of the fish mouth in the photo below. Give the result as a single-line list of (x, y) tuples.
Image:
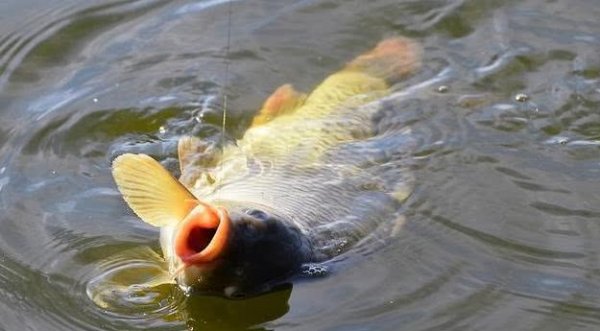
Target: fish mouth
[(203, 235)]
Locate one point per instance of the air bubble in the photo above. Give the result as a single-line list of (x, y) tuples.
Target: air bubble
[(558, 140), (521, 97), (443, 89)]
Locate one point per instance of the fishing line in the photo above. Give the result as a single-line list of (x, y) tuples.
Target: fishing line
[(226, 84)]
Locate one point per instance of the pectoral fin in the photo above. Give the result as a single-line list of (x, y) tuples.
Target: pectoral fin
[(284, 100), (150, 190)]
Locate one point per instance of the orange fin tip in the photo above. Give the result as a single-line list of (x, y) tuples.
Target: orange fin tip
[(284, 100)]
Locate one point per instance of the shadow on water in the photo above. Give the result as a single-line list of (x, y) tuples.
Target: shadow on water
[(215, 313)]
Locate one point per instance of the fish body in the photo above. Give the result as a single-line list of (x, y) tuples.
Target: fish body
[(294, 189)]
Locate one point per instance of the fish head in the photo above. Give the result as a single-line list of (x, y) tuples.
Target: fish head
[(211, 246), (234, 250)]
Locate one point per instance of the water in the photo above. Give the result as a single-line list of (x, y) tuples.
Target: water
[(502, 231)]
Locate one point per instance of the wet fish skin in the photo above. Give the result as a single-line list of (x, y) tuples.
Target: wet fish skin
[(248, 215)]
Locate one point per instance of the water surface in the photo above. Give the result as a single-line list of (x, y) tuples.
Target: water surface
[(502, 231)]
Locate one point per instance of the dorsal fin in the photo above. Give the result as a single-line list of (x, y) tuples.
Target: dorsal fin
[(366, 78), (150, 190), (284, 100), (392, 59)]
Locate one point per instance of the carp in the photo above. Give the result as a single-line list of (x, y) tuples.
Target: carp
[(293, 190)]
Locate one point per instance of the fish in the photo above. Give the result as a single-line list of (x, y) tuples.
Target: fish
[(297, 189)]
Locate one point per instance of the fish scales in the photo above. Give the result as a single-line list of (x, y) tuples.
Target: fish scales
[(307, 181)]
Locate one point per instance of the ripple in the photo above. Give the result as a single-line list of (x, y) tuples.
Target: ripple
[(46, 43), (557, 210), (13, 46), (508, 244), (133, 289), (90, 134), (130, 285)]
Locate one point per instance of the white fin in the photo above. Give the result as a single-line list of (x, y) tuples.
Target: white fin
[(150, 190)]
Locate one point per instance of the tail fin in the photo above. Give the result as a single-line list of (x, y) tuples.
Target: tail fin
[(392, 59)]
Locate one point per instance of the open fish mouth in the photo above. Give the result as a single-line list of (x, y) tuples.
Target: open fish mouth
[(203, 236)]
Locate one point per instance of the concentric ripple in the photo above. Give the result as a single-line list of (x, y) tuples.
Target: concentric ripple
[(133, 285)]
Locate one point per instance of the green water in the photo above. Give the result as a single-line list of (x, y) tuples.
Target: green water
[(502, 231)]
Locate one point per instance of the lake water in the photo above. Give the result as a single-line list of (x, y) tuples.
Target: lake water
[(502, 231)]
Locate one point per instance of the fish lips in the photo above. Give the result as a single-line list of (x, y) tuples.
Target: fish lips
[(202, 237)]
